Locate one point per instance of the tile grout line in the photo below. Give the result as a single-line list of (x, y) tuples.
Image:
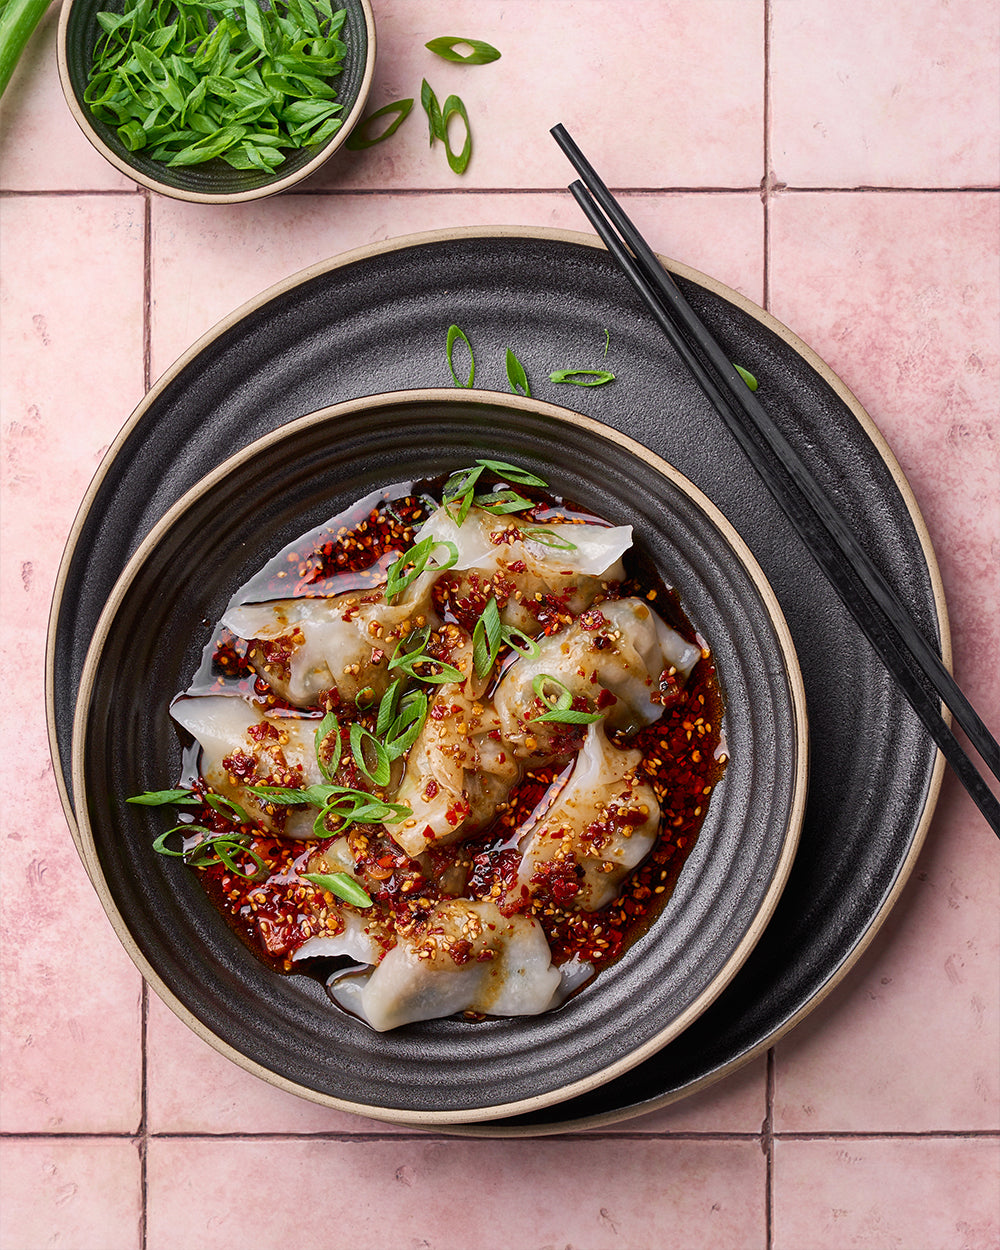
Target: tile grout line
[(766, 187), (147, 335), (750, 1136), (143, 1114), (767, 180), (362, 193), (767, 1145)]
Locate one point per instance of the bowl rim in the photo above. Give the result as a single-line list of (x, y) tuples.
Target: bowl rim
[(782, 867), (82, 118)]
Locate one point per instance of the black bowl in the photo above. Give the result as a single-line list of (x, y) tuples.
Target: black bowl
[(149, 642), (213, 182)]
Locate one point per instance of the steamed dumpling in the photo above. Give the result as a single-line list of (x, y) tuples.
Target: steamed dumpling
[(493, 549), (457, 773), (241, 746), (304, 647), (467, 957), (600, 826), (621, 648)]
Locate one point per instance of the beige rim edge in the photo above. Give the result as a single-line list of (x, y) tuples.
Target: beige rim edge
[(789, 845), (207, 197), (730, 295)]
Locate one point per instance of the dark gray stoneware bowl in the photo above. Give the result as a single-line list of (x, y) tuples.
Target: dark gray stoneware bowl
[(148, 644), (213, 182)]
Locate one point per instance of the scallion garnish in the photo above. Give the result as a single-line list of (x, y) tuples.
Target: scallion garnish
[(405, 571), (342, 885), (406, 727), (490, 634), (582, 377), (361, 136), (226, 807), (435, 121), (516, 376), (190, 82), (374, 765), (454, 107), (487, 637), (159, 798), (503, 502), (348, 806), (410, 655), (328, 757), (543, 534), (214, 849), (747, 376), (446, 47), (454, 334), (511, 473), (559, 704)]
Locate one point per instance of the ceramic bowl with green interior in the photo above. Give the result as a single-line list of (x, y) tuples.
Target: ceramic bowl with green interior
[(213, 181), (149, 643)]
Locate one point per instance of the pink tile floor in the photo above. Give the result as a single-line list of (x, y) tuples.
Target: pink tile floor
[(835, 160)]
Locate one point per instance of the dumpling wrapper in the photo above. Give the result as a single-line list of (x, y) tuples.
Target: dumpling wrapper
[(621, 646), (304, 647), (457, 772), (279, 750), (493, 548), (600, 826), (503, 968)]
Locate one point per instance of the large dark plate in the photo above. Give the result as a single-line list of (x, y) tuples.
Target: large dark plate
[(376, 320), (147, 647)]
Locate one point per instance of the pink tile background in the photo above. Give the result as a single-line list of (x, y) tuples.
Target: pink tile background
[(873, 131)]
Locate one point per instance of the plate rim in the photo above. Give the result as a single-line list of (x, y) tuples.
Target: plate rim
[(797, 704), (749, 307)]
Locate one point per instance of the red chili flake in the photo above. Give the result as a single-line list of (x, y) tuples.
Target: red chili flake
[(263, 731), (605, 699), (593, 618)]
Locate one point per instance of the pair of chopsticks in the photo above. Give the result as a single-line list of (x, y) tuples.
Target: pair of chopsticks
[(911, 660)]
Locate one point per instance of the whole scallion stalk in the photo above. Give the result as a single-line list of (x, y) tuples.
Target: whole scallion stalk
[(18, 19)]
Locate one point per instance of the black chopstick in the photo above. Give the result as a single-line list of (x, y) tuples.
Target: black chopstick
[(862, 589)]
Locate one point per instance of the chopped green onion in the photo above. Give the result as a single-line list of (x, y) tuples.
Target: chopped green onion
[(578, 377), (516, 376), (288, 796), (543, 534), (512, 473), (388, 707), (607, 340), (747, 377), (226, 807), (502, 502), (487, 638), (361, 738), (213, 849), (435, 120), (405, 571), (409, 654), (361, 136), (406, 727), (559, 706), (159, 798), (342, 885), (519, 641), (481, 54), (459, 161), (455, 333), (190, 82)]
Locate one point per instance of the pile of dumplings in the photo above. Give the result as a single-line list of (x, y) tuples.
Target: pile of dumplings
[(481, 736)]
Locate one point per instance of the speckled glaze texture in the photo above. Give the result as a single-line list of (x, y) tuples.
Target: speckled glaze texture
[(834, 160)]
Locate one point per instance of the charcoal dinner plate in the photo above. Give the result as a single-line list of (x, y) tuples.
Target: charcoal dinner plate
[(147, 647), (375, 320)]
